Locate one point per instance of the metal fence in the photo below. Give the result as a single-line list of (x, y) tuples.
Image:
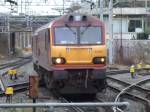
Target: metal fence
[(131, 51), (51, 106)]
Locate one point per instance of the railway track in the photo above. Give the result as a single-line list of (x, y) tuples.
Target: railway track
[(114, 72), (123, 71), (58, 96), (107, 109), (63, 99), (15, 65), (132, 91), (18, 86), (73, 108), (81, 109)]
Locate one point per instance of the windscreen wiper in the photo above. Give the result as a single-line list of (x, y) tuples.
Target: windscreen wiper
[(70, 29), (85, 29)]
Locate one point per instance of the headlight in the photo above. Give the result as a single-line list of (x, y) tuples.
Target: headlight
[(102, 59), (58, 60), (99, 60)]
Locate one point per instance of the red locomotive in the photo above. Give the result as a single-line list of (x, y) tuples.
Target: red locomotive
[(69, 54)]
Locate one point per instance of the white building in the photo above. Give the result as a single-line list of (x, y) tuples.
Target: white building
[(129, 18)]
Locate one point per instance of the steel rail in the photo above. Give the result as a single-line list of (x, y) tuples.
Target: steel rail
[(106, 108), (9, 64), (140, 91), (19, 86), (126, 92), (57, 95), (114, 72), (126, 84), (74, 108), (17, 65)]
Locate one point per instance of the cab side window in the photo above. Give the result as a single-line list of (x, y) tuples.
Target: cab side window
[(47, 39)]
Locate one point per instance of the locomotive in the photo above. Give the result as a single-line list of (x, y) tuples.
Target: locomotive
[(69, 54)]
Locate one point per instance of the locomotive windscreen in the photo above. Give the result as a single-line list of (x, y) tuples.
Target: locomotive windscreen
[(78, 35)]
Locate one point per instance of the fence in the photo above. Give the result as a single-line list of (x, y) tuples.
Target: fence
[(51, 106), (131, 51)]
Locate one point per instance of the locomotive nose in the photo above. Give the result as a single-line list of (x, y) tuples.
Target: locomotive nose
[(78, 55)]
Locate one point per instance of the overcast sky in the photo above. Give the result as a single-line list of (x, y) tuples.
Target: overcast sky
[(36, 7)]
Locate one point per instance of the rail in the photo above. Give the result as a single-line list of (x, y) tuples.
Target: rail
[(51, 106), (128, 87)]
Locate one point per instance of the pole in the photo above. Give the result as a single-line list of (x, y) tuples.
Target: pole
[(121, 46), (21, 6), (110, 32), (101, 10), (146, 5), (8, 29), (63, 7), (47, 104), (34, 101)]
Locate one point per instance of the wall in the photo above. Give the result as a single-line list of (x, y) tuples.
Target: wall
[(3, 44), (23, 39)]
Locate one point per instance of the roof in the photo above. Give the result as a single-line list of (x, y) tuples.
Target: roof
[(63, 20)]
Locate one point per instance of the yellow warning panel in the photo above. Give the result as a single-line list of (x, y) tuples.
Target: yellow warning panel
[(9, 91), (14, 71), (10, 72)]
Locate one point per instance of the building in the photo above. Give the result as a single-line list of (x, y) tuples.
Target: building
[(130, 17)]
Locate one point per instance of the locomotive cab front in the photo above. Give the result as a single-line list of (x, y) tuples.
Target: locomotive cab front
[(78, 49)]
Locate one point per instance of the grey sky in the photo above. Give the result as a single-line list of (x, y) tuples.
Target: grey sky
[(35, 7)]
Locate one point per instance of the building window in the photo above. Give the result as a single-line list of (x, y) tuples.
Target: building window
[(133, 24)]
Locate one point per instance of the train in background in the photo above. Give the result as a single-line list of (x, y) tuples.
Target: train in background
[(69, 54)]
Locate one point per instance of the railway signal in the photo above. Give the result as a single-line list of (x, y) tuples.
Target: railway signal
[(33, 88)]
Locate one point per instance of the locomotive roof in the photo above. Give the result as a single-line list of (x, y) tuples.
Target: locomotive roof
[(65, 19)]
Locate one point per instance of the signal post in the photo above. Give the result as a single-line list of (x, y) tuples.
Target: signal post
[(33, 88)]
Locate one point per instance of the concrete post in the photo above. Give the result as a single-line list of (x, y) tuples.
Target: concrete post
[(51, 109), (8, 34), (101, 10), (110, 32)]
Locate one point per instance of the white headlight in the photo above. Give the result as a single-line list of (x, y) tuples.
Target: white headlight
[(58, 60), (102, 59)]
